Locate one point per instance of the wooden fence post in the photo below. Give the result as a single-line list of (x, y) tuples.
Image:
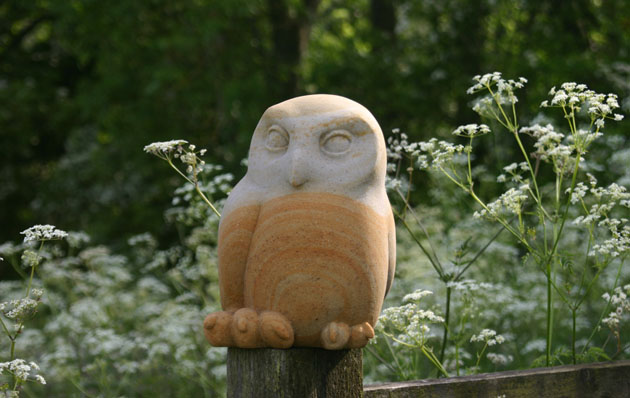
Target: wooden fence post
[(294, 373)]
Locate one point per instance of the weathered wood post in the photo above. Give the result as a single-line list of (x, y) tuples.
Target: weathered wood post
[(296, 372), (306, 252)]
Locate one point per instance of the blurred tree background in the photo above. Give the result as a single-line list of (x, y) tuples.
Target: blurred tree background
[(85, 84)]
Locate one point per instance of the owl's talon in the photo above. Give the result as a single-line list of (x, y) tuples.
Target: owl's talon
[(242, 325), (335, 335), (210, 321), (360, 335), (245, 329), (276, 330), (216, 328)]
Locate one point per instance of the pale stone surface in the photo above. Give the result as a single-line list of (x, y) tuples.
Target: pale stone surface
[(307, 245)]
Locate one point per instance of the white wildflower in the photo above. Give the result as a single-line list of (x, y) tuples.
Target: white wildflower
[(22, 370), (510, 168), (77, 239), (165, 148), (21, 308), (43, 233), (417, 295), (471, 130), (488, 336), (499, 359)]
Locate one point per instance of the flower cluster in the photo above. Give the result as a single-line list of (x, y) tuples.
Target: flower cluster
[(417, 295), (511, 200), (488, 336), (469, 285), (515, 170), (600, 214), (22, 370), (190, 158), (437, 154), (471, 130), (77, 239), (398, 145), (573, 96), (620, 300), (504, 88), (43, 233), (165, 148), (19, 309), (549, 147), (409, 322), (499, 359), (30, 258)]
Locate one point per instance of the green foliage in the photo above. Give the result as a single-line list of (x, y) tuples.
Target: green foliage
[(571, 232), (85, 84), (115, 324)]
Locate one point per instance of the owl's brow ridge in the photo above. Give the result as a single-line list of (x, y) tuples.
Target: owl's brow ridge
[(354, 123)]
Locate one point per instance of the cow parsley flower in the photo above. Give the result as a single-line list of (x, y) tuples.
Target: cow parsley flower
[(499, 359), (417, 295), (504, 90), (21, 308), (43, 233), (471, 130), (574, 96), (488, 336), (22, 370), (165, 148)]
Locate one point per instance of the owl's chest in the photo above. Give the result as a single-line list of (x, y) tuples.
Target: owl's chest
[(302, 230), (316, 258)]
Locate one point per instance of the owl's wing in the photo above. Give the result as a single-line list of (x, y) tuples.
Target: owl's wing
[(391, 246), (235, 235)]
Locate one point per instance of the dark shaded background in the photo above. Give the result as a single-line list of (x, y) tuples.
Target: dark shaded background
[(85, 84)]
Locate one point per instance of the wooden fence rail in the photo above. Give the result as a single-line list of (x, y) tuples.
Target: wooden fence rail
[(597, 380)]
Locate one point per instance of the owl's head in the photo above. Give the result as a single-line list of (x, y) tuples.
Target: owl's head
[(317, 143)]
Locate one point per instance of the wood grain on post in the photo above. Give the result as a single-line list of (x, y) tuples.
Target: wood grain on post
[(294, 373)]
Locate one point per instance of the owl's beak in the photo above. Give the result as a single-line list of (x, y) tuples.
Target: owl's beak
[(297, 179), (299, 174)]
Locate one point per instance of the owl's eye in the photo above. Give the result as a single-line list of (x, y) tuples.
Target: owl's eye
[(277, 139), (336, 142)]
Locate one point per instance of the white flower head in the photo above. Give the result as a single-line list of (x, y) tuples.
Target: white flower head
[(43, 233), (164, 148)]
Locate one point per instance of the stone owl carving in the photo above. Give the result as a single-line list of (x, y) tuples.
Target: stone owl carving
[(307, 245)]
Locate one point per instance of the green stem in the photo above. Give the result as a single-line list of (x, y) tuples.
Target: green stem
[(434, 360), (12, 356), (17, 269), (480, 355), (573, 314), (421, 225), (205, 199), (391, 350), (30, 281), (549, 316), (380, 358), (434, 264), (446, 319), (4, 327), (196, 184), (550, 258), (407, 197), (457, 359), (479, 253)]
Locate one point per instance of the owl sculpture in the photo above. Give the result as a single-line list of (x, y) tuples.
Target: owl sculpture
[(307, 245)]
